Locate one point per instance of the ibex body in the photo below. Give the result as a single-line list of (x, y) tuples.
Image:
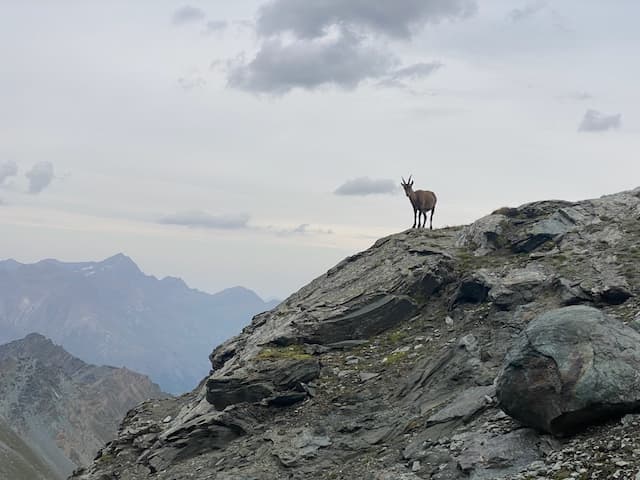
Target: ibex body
[(423, 201)]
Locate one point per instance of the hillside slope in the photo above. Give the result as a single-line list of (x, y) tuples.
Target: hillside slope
[(18, 461), (385, 367), (61, 407), (110, 313)]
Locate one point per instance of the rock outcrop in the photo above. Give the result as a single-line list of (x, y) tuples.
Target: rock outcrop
[(386, 366)]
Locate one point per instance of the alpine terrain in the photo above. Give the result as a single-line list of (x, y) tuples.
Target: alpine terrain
[(505, 349)]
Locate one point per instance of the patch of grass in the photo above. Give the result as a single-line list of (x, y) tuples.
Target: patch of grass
[(105, 458), (395, 357), (467, 262), (292, 352), (397, 337)]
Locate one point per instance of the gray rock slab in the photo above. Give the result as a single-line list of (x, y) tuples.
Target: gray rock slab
[(570, 368)]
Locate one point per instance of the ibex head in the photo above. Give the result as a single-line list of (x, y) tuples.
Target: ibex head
[(407, 185)]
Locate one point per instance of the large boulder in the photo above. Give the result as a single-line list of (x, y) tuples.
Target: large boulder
[(571, 367)]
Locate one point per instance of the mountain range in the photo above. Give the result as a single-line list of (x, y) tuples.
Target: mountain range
[(111, 313), (56, 410)]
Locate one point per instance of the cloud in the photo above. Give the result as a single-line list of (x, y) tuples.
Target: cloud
[(279, 67), (302, 229), (413, 72), (594, 121), (40, 176), (187, 14), (317, 43), (200, 219), (8, 169), (527, 11), (367, 186), (417, 70), (398, 18), (305, 229), (213, 26), (193, 82), (578, 96)]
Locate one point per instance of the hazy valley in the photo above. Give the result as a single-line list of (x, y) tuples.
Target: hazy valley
[(110, 313)]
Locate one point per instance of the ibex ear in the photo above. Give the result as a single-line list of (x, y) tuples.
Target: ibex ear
[(403, 181)]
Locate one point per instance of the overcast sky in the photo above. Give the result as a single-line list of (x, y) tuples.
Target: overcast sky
[(258, 143)]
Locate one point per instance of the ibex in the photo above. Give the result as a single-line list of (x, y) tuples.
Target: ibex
[(422, 201)]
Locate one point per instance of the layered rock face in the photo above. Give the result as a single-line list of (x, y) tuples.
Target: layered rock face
[(61, 407), (386, 366)]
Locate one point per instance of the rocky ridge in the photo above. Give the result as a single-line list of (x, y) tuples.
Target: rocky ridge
[(386, 366), (61, 407)]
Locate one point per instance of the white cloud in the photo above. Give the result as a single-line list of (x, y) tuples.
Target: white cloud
[(8, 169), (338, 42), (187, 14), (40, 177), (594, 121), (192, 82), (279, 67), (397, 18), (527, 11), (200, 219), (213, 26), (367, 186)]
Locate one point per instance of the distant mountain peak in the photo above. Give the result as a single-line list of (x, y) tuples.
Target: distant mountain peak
[(238, 289), (174, 281), (238, 293), (121, 262), (38, 346), (32, 340), (9, 264), (35, 338), (118, 258)]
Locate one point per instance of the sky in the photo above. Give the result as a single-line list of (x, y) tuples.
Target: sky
[(259, 142)]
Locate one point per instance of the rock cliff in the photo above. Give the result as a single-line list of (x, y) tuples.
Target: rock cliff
[(386, 366)]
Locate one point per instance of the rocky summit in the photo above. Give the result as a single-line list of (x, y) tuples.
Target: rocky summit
[(505, 349)]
